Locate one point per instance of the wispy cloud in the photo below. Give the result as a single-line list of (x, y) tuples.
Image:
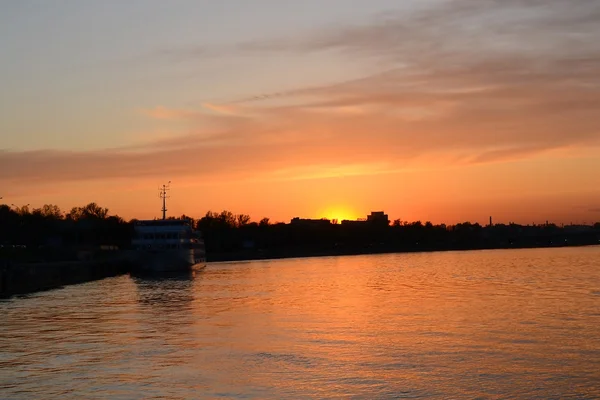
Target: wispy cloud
[(164, 113), (221, 109), (463, 82), (479, 29)]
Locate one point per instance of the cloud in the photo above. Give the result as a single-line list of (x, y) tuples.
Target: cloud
[(221, 109), (461, 82), (164, 113), (457, 28)]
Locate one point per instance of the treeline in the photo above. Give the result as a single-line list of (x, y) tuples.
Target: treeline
[(235, 236), (229, 236), (49, 226)]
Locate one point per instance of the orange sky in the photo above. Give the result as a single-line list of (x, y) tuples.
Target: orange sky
[(451, 112)]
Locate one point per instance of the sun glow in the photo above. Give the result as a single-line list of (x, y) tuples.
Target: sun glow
[(339, 214)]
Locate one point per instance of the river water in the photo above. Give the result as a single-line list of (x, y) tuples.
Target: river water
[(481, 324)]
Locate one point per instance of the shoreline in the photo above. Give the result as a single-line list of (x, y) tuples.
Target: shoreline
[(245, 256), (19, 279), (22, 278)]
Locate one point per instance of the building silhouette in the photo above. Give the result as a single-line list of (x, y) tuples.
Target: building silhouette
[(310, 222), (376, 218)]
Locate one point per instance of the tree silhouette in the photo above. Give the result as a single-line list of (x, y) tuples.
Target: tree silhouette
[(49, 211), (230, 236), (264, 222)]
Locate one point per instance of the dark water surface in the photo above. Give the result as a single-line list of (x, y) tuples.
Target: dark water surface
[(484, 324)]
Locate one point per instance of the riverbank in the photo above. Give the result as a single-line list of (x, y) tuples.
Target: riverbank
[(25, 278), (254, 255)]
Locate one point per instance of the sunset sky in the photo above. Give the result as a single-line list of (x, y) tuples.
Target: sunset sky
[(440, 110)]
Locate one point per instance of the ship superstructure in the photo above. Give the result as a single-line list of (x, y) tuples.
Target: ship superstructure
[(168, 244)]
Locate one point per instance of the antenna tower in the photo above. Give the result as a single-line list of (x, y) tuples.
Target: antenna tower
[(162, 193)]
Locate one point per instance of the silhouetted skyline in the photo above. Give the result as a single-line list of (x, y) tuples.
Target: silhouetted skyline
[(47, 234)]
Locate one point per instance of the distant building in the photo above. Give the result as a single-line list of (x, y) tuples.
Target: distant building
[(375, 218), (378, 217), (310, 222), (357, 222)]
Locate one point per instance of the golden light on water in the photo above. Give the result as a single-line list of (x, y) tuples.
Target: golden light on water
[(480, 324)]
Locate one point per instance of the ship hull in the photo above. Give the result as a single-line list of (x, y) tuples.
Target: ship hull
[(169, 260)]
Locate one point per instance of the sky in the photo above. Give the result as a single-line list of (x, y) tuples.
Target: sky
[(431, 110)]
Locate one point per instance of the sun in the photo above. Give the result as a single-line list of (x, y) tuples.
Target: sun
[(339, 214)]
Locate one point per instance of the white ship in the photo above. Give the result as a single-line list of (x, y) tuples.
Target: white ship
[(167, 245)]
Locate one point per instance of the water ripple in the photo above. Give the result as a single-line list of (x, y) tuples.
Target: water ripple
[(486, 324)]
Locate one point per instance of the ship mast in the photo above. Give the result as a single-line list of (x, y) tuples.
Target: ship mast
[(162, 193)]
